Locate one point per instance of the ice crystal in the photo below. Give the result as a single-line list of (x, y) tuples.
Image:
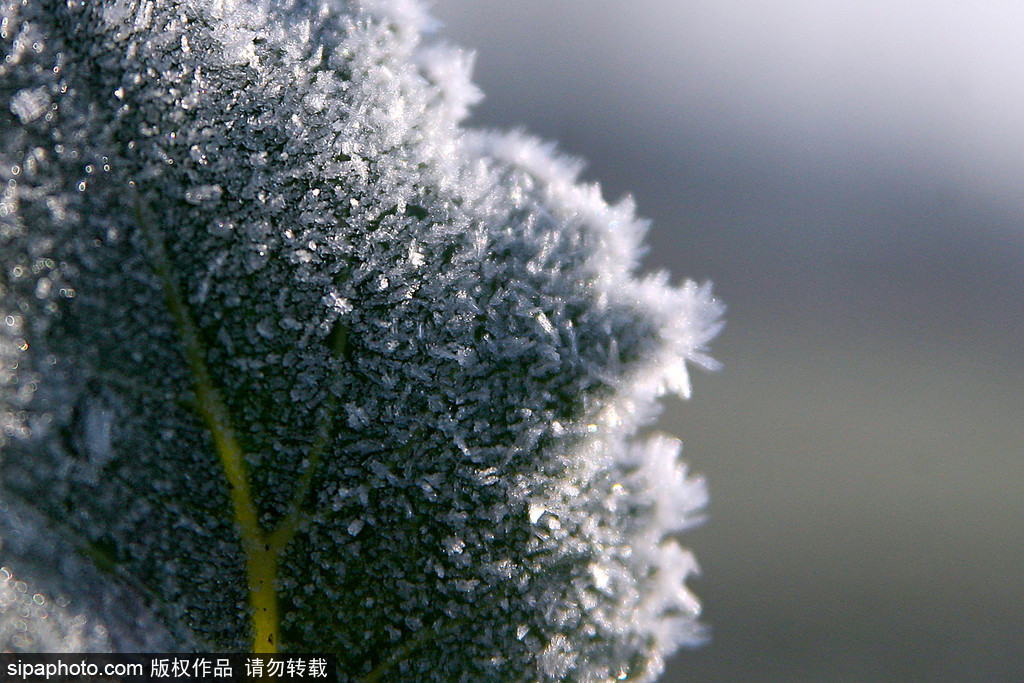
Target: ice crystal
[(290, 359)]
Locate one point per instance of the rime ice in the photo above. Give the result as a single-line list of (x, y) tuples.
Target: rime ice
[(448, 314)]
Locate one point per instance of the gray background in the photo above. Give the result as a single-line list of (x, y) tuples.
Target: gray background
[(850, 175)]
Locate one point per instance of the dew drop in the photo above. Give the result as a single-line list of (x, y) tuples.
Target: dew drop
[(203, 194)]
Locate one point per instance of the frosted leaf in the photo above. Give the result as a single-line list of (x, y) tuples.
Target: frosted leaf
[(52, 600), (290, 359)]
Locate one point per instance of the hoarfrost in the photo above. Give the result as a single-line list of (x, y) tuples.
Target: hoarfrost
[(418, 330), (98, 435), (51, 600), (29, 105)]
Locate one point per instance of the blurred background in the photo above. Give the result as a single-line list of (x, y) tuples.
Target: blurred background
[(850, 175)]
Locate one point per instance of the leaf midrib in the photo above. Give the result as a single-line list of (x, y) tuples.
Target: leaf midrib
[(262, 549)]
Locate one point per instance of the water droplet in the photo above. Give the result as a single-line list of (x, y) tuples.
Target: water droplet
[(256, 258), (203, 194), (198, 155), (221, 228)]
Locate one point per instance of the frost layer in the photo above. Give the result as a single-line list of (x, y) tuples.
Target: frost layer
[(428, 342)]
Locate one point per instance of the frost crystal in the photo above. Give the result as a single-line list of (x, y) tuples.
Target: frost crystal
[(289, 359)]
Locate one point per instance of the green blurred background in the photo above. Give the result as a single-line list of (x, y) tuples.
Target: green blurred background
[(850, 175)]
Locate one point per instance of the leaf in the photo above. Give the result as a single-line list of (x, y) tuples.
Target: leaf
[(290, 360)]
